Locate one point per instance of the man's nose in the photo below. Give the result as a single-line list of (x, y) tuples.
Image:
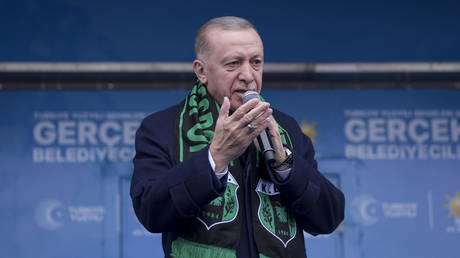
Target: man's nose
[(246, 73)]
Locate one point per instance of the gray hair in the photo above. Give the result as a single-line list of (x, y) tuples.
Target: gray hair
[(202, 45)]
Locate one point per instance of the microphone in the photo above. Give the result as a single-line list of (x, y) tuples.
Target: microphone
[(264, 141)]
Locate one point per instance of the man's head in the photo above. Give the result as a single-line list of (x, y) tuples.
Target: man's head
[(229, 58)]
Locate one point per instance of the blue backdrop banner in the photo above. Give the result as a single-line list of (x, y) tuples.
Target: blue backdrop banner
[(66, 163)]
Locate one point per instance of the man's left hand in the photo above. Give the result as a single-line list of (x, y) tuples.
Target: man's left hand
[(275, 137)]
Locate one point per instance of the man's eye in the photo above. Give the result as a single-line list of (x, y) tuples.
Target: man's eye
[(256, 62), (232, 65)]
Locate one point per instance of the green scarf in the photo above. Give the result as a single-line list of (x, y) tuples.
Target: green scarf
[(197, 121), (216, 231)]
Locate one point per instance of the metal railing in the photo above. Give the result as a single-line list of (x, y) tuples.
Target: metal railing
[(154, 75)]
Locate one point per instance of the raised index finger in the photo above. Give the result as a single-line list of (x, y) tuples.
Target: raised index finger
[(245, 108)]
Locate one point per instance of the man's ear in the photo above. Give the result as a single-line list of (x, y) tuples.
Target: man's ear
[(198, 68)]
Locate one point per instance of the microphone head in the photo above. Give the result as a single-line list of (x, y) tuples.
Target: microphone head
[(248, 95)]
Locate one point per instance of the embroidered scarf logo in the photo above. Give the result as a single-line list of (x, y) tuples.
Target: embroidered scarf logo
[(224, 208), (273, 214)]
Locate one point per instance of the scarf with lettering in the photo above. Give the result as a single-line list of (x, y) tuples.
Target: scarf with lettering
[(216, 231)]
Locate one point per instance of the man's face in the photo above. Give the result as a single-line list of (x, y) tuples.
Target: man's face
[(234, 65)]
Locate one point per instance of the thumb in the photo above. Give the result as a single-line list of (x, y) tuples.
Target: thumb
[(225, 108)]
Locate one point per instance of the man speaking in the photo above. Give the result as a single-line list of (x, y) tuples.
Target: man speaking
[(199, 175)]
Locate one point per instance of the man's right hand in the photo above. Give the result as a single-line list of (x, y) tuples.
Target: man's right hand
[(232, 135)]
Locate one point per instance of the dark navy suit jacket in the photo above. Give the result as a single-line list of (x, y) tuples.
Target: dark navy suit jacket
[(166, 194)]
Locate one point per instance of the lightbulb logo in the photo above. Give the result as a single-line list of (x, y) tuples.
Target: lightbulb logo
[(49, 214), (365, 210), (453, 206), (309, 130)]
